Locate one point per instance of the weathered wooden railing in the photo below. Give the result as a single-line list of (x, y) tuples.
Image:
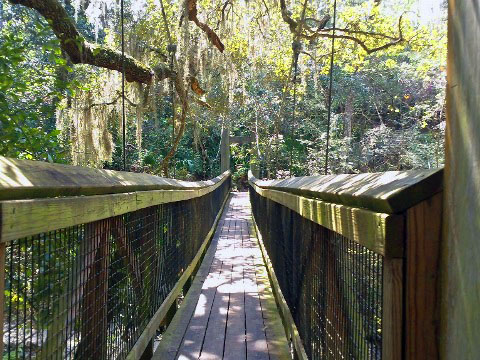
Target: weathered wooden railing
[(353, 260), (91, 261)]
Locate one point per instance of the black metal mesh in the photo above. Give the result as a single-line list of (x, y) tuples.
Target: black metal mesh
[(332, 285), (88, 291)]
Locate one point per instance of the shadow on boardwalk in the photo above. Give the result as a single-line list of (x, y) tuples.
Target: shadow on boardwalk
[(228, 311)]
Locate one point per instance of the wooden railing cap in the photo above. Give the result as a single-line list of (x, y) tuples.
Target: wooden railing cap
[(25, 179), (389, 192)]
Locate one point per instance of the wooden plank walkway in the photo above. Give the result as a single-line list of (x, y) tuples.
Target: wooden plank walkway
[(229, 311)]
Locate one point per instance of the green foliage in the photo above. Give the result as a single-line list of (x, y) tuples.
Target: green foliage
[(29, 94), (388, 106)]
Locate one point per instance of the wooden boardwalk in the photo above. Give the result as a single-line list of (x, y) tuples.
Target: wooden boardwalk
[(229, 311)]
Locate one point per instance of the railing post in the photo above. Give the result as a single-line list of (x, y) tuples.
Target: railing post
[(424, 224), (2, 292), (392, 322), (94, 303)]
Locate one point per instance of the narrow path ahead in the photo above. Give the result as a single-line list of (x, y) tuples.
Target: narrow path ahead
[(229, 311)]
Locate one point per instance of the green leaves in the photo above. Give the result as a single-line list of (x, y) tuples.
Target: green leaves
[(27, 112)]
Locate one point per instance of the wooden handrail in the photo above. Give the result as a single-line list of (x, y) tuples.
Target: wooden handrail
[(379, 232), (395, 214), (366, 208), (389, 192), (25, 179), (36, 198), (42, 191)]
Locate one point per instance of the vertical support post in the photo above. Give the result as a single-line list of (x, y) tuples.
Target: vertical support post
[(460, 311), (94, 305), (225, 149), (424, 226), (170, 314), (2, 292), (188, 283), (335, 315), (392, 321)]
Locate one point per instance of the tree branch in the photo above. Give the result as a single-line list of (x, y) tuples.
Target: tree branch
[(321, 31), (157, 51), (212, 36), (81, 51), (112, 102), (182, 94), (366, 33), (286, 16), (362, 43)]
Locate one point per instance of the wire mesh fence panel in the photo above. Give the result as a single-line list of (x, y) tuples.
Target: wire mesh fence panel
[(88, 291), (332, 285)]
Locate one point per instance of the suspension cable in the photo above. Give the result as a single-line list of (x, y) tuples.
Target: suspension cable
[(296, 47), (330, 86), (124, 130), (171, 48)]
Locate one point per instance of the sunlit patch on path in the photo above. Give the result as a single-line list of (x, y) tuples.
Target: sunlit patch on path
[(228, 312)]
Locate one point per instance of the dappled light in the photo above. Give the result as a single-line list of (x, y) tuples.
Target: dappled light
[(229, 319), (391, 191), (334, 262), (114, 259), (11, 175), (23, 179), (258, 179), (266, 73)]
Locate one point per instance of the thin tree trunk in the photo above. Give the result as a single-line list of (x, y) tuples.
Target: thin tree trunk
[(1, 15)]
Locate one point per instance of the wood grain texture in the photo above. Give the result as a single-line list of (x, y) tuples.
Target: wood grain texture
[(25, 179), (151, 328), (194, 332), (94, 328), (256, 338), (228, 318), (389, 192), (20, 218), (235, 341), (460, 285), (214, 336), (382, 233), (392, 321), (424, 224), (278, 345), (290, 327), (174, 335), (235, 345), (2, 293)]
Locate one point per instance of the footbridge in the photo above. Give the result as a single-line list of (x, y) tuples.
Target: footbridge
[(99, 264)]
